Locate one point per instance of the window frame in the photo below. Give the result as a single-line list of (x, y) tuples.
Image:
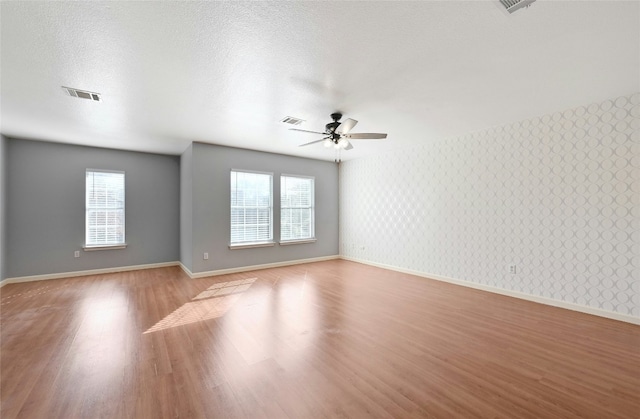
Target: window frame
[(104, 246), (251, 244), (312, 207)]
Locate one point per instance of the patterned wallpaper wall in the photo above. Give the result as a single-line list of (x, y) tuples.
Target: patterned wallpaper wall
[(558, 196)]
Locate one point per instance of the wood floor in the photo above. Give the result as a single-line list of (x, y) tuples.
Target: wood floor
[(329, 339)]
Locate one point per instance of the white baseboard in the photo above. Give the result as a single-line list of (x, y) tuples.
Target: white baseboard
[(509, 293), (255, 267), (186, 270), (85, 273), (45, 277)]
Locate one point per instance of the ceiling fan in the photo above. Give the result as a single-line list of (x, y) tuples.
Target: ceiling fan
[(338, 134)]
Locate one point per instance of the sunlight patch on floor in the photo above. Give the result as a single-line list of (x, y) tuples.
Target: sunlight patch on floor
[(211, 303), (226, 288)]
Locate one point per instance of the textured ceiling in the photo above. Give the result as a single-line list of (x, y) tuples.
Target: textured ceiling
[(227, 72)]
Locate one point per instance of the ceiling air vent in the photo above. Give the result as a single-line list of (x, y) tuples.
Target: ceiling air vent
[(292, 121), (514, 5), (82, 94)]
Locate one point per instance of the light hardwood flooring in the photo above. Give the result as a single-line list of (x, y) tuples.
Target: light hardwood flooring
[(328, 339)]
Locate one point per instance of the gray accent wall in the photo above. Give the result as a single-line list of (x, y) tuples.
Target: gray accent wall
[(46, 207), (211, 168), (3, 206)]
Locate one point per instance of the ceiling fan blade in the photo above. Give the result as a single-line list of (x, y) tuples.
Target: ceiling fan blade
[(349, 146), (365, 136), (312, 142), (346, 126), (304, 130)]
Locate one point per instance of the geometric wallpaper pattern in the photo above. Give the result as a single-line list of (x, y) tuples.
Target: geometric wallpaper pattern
[(557, 195)]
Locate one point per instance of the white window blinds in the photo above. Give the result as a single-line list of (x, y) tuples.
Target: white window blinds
[(104, 219), (296, 208), (251, 207)]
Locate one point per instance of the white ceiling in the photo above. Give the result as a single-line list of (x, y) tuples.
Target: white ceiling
[(227, 72)]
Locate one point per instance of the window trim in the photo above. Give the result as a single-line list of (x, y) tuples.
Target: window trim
[(312, 238), (92, 248), (253, 244), (101, 246), (297, 241)]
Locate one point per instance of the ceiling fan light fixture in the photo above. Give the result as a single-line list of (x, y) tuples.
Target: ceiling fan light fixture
[(338, 134)]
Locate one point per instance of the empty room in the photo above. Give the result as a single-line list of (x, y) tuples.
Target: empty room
[(320, 209)]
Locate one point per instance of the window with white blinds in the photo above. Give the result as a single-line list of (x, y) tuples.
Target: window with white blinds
[(251, 207), (296, 208), (104, 220)]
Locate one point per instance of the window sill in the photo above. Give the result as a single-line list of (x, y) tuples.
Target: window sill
[(250, 245), (301, 241), (92, 248)]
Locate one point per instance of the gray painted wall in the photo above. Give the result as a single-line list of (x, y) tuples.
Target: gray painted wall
[(211, 206), (46, 204), (3, 206), (186, 208)]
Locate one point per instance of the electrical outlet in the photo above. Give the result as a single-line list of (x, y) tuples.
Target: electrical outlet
[(512, 269), (76, 254), (205, 256)]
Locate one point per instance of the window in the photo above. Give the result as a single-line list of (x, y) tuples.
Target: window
[(297, 211), (251, 208), (104, 219)]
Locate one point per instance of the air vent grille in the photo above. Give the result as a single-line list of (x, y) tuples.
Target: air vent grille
[(513, 5), (292, 121), (82, 94)]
